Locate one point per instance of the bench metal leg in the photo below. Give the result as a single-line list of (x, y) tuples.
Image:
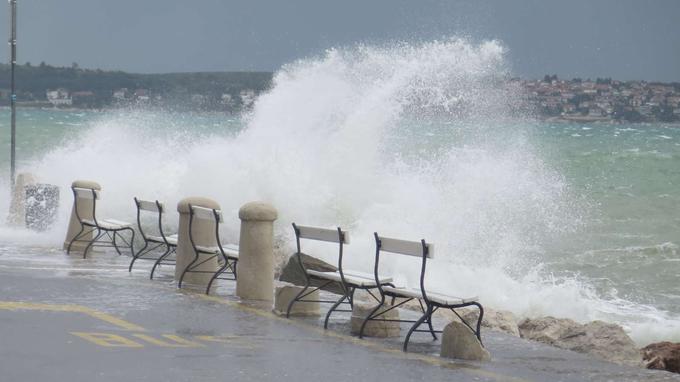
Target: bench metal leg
[(186, 269), (429, 324), (159, 260), (214, 277), (294, 300), (115, 245), (75, 238), (89, 245), (137, 255), (370, 315), (131, 244), (335, 306), (479, 322), (427, 315)]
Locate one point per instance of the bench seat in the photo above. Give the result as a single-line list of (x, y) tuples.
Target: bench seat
[(438, 298), (172, 239), (109, 224), (231, 250), (351, 277)]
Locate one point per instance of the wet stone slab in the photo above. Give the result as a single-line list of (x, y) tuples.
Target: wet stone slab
[(70, 319)]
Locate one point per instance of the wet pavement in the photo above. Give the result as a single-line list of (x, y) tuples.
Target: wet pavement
[(67, 319)]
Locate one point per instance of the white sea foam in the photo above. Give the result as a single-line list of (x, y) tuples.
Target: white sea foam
[(336, 142)]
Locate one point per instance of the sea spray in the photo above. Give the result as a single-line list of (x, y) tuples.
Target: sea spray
[(410, 140)]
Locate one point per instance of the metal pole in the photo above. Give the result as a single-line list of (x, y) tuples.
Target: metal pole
[(13, 96)]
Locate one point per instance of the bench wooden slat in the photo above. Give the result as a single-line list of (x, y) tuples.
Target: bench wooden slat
[(405, 247), (206, 213), (86, 193), (322, 234), (147, 205)]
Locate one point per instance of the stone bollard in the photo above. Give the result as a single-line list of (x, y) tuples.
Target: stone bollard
[(17, 208), (41, 205), (381, 329), (286, 293), (458, 341), (256, 252), (85, 211), (204, 235)]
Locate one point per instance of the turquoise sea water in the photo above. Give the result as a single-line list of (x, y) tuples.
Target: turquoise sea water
[(622, 181), (412, 141)]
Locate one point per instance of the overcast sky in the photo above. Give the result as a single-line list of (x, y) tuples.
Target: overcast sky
[(622, 39)]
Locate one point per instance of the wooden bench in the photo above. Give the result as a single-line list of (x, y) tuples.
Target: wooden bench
[(227, 255), (348, 280), (155, 239), (433, 301), (107, 230)]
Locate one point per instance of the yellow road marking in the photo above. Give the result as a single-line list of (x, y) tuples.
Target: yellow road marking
[(176, 341), (108, 339), (17, 305)]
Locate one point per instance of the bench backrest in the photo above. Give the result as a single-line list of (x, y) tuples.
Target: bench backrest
[(206, 213), (86, 193), (322, 234), (405, 247), (420, 249), (155, 207), (147, 205)]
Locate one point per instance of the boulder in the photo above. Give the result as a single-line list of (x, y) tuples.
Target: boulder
[(375, 328), (458, 341), (603, 340), (286, 293), (497, 320), (292, 273), (548, 330), (662, 356)]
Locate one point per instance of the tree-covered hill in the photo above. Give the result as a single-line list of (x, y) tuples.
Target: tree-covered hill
[(33, 81)]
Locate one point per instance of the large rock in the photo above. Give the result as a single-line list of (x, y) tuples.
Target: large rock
[(360, 311), (497, 320), (662, 356), (292, 273), (603, 340), (286, 293), (458, 341)]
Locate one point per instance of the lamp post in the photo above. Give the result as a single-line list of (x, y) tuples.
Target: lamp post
[(13, 96)]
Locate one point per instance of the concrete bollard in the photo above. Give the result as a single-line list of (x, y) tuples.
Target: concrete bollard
[(256, 252), (85, 211), (204, 235), (17, 208)]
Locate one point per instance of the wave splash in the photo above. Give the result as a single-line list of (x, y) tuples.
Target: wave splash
[(410, 140)]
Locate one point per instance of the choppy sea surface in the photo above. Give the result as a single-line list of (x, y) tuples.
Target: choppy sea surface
[(563, 219)]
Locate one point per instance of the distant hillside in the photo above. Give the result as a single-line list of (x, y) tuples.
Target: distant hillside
[(95, 88)]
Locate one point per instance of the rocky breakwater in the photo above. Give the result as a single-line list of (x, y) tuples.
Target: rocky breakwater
[(662, 356), (600, 339)]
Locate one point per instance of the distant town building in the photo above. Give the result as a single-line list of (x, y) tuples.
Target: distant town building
[(59, 97), (120, 94), (141, 95), (227, 99)]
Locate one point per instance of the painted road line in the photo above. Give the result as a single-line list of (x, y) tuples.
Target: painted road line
[(108, 339), (139, 340), (70, 308)]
